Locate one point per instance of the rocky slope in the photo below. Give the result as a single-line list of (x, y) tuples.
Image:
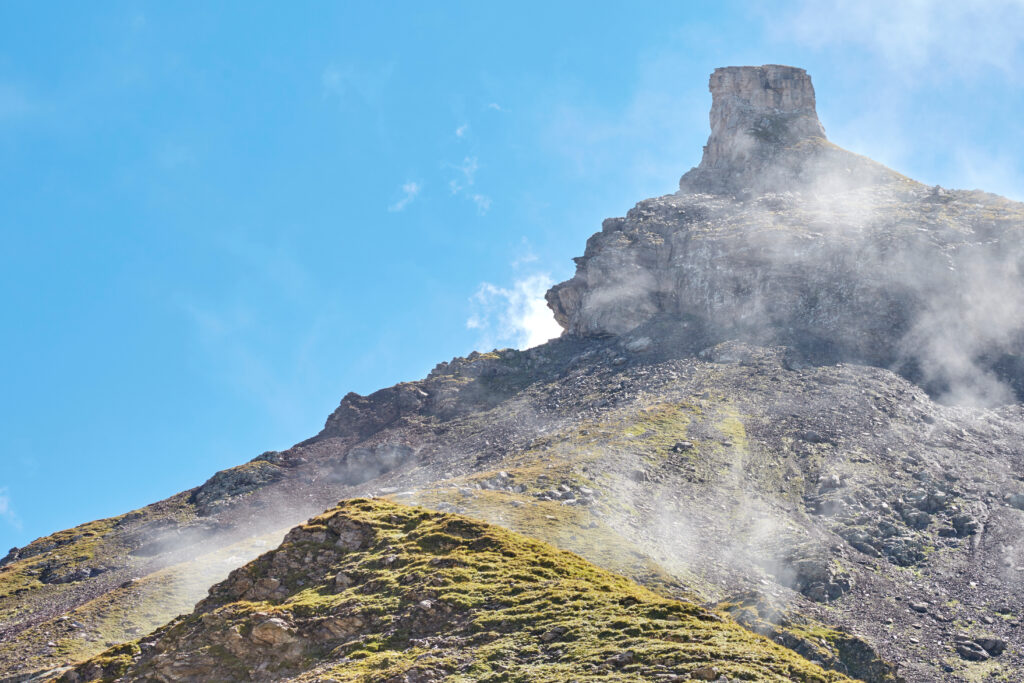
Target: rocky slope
[(742, 414), (373, 591)]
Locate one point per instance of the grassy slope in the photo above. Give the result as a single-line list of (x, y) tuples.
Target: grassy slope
[(451, 598), (75, 620)]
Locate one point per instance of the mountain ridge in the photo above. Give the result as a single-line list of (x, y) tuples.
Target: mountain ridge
[(742, 414)]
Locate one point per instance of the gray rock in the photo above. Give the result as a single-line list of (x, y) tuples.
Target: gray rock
[(966, 525), (971, 651), (621, 659), (993, 646), (274, 632), (849, 239)]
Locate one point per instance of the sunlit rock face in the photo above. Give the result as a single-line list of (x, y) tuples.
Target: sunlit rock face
[(779, 236)]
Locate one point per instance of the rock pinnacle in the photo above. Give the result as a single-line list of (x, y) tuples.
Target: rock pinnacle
[(764, 128)]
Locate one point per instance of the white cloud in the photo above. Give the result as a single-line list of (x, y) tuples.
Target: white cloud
[(908, 53), (465, 174), (483, 203), (462, 130), (527, 255), (516, 316), (494, 106), (918, 35), (410, 190), (7, 512), (465, 178)]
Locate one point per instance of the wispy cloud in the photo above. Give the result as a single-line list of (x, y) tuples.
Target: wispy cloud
[(1000, 173), (410, 191), (908, 53), (494, 106), (528, 255), (513, 316), (462, 130), (465, 178), (7, 512), (465, 174), (483, 203), (918, 35), (348, 83), (643, 142)]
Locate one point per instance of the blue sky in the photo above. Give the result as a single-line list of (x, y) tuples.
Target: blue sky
[(217, 219)]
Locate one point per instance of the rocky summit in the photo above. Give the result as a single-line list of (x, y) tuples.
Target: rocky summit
[(781, 438), (780, 237)]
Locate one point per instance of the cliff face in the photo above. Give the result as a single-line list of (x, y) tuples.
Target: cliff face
[(778, 236), (755, 112)]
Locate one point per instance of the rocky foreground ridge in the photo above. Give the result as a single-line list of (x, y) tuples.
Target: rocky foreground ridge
[(374, 591), (785, 394)]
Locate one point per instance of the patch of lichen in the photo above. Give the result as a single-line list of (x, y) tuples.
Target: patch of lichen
[(489, 605)]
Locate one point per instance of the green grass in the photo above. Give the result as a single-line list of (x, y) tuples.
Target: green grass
[(494, 594)]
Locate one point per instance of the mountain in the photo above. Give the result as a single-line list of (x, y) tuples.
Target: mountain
[(787, 396)]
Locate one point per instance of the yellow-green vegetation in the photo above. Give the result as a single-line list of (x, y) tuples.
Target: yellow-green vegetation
[(71, 549), (813, 640), (572, 528), (117, 613), (661, 425), (978, 672), (152, 600), (372, 590)]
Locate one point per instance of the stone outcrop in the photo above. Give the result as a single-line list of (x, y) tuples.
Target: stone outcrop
[(765, 135), (780, 237)]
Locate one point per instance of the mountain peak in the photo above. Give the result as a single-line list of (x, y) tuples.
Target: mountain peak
[(781, 237), (766, 136), (758, 107)]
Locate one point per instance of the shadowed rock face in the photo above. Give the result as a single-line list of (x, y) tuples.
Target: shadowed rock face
[(781, 237)]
